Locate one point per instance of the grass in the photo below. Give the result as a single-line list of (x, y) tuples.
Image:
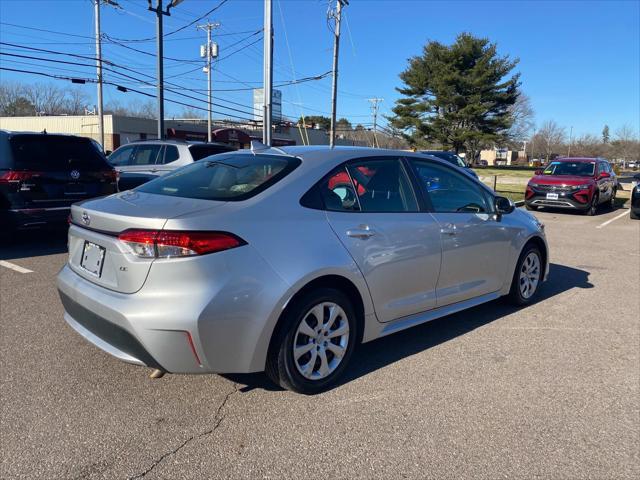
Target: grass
[(503, 172)]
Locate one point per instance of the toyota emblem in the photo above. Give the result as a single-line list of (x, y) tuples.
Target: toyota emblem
[(75, 174), (86, 219)]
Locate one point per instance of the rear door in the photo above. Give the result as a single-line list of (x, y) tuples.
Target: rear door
[(373, 210), (59, 170), (475, 247), (145, 158)]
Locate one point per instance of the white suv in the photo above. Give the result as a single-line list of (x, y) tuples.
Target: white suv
[(157, 157)]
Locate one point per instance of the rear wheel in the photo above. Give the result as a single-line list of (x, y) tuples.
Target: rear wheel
[(527, 276), (612, 200), (530, 207), (633, 215), (314, 345)]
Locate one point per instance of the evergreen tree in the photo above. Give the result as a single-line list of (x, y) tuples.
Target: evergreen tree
[(459, 96), (605, 134)]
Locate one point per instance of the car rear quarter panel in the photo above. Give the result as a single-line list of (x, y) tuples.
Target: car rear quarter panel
[(294, 242)]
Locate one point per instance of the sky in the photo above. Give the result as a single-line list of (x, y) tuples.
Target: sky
[(579, 60)]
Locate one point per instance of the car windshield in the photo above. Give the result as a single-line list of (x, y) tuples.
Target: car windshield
[(449, 157), (229, 177), (580, 169)]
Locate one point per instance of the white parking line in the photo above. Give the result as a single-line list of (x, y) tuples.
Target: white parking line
[(602, 225), (15, 267)]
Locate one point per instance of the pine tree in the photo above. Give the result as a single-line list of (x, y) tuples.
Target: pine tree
[(605, 134), (458, 96)]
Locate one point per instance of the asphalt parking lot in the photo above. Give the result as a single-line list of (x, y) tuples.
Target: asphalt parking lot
[(550, 391)]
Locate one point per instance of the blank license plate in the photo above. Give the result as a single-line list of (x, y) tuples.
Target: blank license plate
[(552, 196), (92, 258)]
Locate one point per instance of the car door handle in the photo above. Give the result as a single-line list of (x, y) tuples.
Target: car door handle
[(154, 170), (362, 233)]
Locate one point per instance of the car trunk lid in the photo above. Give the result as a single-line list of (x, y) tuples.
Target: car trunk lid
[(96, 254)]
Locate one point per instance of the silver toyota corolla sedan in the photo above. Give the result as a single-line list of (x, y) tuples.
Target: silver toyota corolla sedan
[(283, 260)]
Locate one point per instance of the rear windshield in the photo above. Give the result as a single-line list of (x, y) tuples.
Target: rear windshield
[(199, 152), (228, 177), (56, 153), (581, 169)]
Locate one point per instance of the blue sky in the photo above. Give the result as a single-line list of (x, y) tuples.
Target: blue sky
[(579, 60)]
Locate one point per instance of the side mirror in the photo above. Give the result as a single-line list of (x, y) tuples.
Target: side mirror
[(604, 175), (538, 171), (503, 205)]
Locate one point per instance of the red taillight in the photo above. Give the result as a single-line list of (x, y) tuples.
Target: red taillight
[(172, 243), (16, 176)]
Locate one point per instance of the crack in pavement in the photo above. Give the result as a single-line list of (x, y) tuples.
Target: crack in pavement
[(218, 420)]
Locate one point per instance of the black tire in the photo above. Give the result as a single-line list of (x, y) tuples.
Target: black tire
[(633, 215), (281, 367), (593, 207), (612, 201), (515, 296), (530, 207)]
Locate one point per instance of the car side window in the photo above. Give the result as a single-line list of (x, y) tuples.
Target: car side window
[(146, 154), (121, 157), (170, 154), (449, 191), (337, 192), (382, 185)]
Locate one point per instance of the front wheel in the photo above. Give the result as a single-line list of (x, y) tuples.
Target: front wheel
[(314, 345), (527, 276), (593, 207)]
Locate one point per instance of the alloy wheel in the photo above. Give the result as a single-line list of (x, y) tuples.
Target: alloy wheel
[(321, 341), (529, 275)]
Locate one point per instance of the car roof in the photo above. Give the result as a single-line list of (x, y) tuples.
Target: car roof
[(173, 141)]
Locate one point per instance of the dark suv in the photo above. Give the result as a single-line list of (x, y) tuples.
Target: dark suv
[(41, 175), (573, 183)]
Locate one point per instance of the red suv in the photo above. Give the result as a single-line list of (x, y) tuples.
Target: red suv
[(574, 183)]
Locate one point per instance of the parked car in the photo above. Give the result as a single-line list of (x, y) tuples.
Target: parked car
[(453, 158), (41, 175), (271, 260), (634, 211), (573, 183), (139, 162)]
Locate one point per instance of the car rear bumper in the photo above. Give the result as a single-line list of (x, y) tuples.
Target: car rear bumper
[(24, 218), (197, 323)]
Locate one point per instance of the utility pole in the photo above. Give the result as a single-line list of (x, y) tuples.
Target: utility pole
[(160, 60), (267, 87), (99, 73), (211, 52), (337, 16), (375, 105)]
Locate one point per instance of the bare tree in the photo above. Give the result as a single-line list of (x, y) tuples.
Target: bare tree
[(135, 108), (549, 139), (588, 146), (626, 145), (522, 115), (192, 113)]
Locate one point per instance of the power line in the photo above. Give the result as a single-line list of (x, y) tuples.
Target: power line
[(118, 87), (174, 31)]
